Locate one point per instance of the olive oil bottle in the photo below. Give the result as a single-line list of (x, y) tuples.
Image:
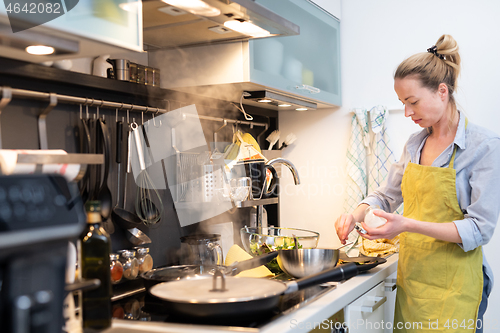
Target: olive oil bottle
[(95, 247)]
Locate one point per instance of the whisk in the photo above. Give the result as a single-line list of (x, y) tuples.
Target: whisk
[(147, 194)]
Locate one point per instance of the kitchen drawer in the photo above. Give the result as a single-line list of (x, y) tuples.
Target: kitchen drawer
[(390, 293), (366, 313)]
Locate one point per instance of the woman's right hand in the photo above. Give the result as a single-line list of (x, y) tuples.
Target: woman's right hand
[(345, 223), (343, 226)]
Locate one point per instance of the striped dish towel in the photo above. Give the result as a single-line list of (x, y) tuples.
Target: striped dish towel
[(382, 156), (356, 160)]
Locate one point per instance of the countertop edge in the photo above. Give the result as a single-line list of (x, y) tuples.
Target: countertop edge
[(305, 319)]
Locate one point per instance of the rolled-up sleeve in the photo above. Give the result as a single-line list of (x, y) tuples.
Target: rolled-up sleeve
[(481, 208)]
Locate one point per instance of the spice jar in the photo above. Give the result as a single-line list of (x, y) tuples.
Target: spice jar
[(116, 268), (144, 258), (130, 264)]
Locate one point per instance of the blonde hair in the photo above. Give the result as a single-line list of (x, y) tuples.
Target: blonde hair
[(440, 64)]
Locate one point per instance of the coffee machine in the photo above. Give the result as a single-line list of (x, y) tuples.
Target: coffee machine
[(39, 214)]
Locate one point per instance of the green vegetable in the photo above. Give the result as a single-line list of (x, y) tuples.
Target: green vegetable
[(258, 249)]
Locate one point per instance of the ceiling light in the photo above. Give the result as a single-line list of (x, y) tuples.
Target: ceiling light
[(284, 105), (276, 99), (301, 109), (39, 49), (196, 7), (265, 101), (246, 28)]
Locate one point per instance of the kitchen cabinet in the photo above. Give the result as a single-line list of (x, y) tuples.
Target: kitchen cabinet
[(83, 29), (366, 314), (306, 66), (331, 6)]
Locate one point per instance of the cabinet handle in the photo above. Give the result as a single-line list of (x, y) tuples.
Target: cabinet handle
[(390, 284), (371, 308), (311, 89)]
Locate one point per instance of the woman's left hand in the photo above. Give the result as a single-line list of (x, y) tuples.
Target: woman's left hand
[(394, 226)]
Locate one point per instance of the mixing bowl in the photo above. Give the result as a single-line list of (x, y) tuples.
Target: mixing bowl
[(304, 262), (263, 240)]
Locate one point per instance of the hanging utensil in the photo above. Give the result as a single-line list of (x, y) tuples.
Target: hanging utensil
[(147, 194), (121, 216)]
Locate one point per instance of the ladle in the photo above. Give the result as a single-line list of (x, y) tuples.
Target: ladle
[(104, 194), (124, 218)]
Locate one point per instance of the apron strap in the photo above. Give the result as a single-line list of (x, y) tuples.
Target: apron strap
[(452, 160)]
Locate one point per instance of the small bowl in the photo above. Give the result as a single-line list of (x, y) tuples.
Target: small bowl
[(274, 238)]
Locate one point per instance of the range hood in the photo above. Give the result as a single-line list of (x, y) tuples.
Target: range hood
[(169, 24)]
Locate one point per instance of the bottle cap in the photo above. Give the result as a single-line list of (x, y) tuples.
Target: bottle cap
[(93, 206)]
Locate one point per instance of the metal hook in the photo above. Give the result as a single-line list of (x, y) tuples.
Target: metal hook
[(42, 126), (154, 121), (215, 133), (128, 116), (97, 107), (142, 118), (116, 114), (262, 133), (81, 112), (6, 98)]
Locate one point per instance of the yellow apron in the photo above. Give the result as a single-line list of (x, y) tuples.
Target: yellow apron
[(439, 285)]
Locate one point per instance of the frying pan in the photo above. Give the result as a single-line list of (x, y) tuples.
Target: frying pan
[(174, 273), (219, 296)]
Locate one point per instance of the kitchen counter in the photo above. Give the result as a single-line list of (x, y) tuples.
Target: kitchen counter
[(301, 320)]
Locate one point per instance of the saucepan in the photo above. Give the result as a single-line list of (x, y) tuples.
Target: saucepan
[(179, 272), (220, 296)]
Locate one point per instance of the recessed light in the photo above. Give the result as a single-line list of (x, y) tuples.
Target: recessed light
[(301, 109), (247, 28), (284, 105), (196, 7), (40, 50), (265, 100)]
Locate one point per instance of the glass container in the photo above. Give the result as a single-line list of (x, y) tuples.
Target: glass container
[(115, 267), (130, 264), (144, 258)]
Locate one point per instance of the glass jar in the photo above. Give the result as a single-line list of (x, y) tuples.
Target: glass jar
[(156, 77), (141, 74), (149, 81), (133, 72), (116, 268), (144, 258), (130, 264)]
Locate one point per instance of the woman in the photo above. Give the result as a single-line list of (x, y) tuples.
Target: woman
[(448, 179)]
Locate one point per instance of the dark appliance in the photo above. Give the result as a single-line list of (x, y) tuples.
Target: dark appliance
[(39, 214)]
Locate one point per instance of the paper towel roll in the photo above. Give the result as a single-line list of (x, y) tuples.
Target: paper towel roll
[(9, 163)]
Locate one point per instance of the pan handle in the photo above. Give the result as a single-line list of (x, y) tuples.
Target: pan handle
[(339, 273)]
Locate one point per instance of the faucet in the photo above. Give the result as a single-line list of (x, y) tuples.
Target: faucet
[(290, 166), (296, 179)]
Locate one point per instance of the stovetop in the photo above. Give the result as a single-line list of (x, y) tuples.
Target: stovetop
[(144, 307)]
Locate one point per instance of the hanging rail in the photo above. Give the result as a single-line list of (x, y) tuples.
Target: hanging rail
[(9, 93), (80, 100)]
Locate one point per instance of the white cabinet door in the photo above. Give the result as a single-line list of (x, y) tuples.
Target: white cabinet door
[(330, 6), (390, 293), (366, 314)]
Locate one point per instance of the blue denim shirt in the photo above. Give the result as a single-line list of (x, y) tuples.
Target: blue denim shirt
[(477, 165)]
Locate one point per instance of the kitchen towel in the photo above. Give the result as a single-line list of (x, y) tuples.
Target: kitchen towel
[(356, 160), (381, 156)]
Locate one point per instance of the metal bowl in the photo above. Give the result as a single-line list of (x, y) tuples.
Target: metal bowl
[(257, 241), (304, 262)]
